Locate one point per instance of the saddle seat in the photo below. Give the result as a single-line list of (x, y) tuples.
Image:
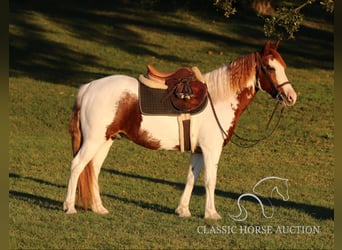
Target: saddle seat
[(186, 88), (158, 76)]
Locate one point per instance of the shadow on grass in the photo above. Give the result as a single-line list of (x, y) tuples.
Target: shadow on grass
[(109, 24), (37, 200), (317, 212), (143, 204), (16, 176)]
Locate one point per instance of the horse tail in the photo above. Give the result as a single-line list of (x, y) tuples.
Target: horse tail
[(75, 128), (75, 122), (85, 180)]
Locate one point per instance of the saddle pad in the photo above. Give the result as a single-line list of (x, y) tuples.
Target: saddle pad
[(156, 102)]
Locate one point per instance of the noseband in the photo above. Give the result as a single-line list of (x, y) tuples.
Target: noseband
[(275, 88)]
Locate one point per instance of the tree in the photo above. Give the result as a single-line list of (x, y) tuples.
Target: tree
[(280, 22)]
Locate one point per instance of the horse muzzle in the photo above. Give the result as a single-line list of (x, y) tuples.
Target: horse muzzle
[(286, 95)]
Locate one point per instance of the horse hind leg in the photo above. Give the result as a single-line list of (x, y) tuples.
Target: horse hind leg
[(98, 160), (81, 160), (196, 163)]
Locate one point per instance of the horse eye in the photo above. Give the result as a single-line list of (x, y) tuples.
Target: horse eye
[(269, 68)]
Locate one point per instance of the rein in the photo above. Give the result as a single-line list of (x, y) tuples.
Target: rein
[(246, 143)]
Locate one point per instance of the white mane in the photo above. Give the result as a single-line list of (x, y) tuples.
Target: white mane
[(217, 82), (230, 79)]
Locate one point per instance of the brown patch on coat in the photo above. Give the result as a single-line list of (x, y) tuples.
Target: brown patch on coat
[(128, 120), (244, 99)]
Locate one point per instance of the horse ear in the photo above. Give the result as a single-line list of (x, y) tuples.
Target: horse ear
[(266, 47), (276, 45)]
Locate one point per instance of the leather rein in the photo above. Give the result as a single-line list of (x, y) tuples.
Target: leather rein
[(244, 142)]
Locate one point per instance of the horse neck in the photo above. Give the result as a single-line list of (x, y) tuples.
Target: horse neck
[(235, 80)]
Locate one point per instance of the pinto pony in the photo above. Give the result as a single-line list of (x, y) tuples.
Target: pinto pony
[(108, 108)]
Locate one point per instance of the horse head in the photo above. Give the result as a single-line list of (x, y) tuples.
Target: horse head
[(271, 74)]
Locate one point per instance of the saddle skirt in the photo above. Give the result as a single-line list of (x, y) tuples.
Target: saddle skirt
[(186, 89)]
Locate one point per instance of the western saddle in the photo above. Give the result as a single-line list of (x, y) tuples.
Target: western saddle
[(186, 88)]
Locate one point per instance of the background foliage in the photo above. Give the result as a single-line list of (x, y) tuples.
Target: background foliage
[(281, 18)]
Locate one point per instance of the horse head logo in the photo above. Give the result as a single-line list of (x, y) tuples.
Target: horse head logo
[(277, 184)]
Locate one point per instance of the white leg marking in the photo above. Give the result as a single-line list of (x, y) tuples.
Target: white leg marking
[(85, 154), (98, 160), (211, 159), (196, 163)]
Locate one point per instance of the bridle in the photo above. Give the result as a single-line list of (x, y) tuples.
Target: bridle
[(244, 142), (261, 68)]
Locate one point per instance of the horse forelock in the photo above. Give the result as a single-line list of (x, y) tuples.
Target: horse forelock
[(275, 55), (232, 78)]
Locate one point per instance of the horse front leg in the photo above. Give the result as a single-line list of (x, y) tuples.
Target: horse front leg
[(196, 163), (211, 160)]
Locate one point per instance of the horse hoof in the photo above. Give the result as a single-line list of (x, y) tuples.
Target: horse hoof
[(100, 210), (212, 216), (69, 209), (183, 212)]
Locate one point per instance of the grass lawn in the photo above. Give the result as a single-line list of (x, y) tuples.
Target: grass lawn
[(55, 46)]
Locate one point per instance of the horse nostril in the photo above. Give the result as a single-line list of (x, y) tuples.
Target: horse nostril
[(291, 99)]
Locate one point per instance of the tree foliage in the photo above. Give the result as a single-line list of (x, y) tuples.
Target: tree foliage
[(280, 23)]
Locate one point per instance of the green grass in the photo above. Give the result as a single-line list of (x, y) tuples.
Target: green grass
[(56, 47)]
